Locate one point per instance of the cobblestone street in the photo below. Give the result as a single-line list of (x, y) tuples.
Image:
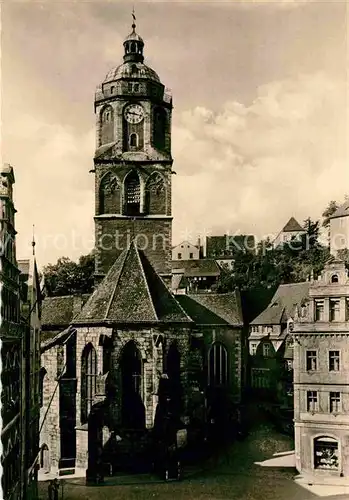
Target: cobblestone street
[(233, 474)]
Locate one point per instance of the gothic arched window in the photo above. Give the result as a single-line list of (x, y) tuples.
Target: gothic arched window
[(109, 194), (132, 194), (218, 365), (159, 128), (88, 380), (155, 194), (107, 125)]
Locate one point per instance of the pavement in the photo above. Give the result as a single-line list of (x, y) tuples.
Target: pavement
[(260, 467)]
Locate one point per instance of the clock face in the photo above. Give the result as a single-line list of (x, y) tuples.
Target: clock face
[(134, 113)]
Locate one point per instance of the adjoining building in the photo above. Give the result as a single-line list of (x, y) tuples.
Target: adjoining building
[(321, 378), (292, 231), (271, 345), (20, 355), (339, 229)]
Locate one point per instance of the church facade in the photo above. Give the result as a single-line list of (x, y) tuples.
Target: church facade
[(106, 362)]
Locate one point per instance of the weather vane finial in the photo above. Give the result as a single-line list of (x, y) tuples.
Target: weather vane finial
[(134, 19)]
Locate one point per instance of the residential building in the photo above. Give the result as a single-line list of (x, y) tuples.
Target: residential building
[(105, 356), (271, 345), (227, 246), (195, 275), (12, 335), (339, 229), (186, 251), (292, 231), (321, 378), (31, 299), (20, 355)]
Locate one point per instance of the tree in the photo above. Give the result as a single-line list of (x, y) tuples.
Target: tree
[(328, 212), (313, 229), (67, 277)]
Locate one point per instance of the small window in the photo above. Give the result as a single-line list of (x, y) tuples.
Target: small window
[(133, 140), (334, 309), (335, 402), (112, 88), (311, 360), (312, 403), (179, 256), (266, 350), (334, 278), (253, 348), (136, 87), (319, 310), (191, 256), (333, 361)]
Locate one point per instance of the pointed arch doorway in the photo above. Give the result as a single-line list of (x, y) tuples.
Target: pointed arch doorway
[(132, 407)]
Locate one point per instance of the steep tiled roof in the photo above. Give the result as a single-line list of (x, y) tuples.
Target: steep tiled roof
[(342, 211), (255, 301), (292, 225), (132, 292), (199, 267), (213, 308), (58, 311), (283, 304), (23, 266)]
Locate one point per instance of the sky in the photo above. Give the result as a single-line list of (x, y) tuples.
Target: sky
[(260, 118)]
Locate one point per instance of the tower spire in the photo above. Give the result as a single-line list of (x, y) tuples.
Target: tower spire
[(133, 20), (33, 241)]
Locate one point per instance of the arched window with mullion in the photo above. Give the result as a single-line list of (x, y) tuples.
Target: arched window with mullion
[(218, 365), (88, 380), (132, 194)]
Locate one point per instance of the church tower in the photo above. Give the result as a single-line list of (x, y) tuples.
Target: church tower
[(133, 163)]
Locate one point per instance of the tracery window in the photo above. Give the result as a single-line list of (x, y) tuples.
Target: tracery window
[(88, 380), (218, 365), (132, 194)]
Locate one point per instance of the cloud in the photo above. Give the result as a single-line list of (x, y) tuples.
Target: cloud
[(53, 187), (250, 168), (243, 169)]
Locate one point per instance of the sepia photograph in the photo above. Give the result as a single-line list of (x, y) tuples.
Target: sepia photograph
[(174, 250)]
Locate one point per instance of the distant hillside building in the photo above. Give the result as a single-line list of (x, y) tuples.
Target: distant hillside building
[(291, 231), (271, 344), (186, 251), (339, 229), (321, 379), (195, 275), (220, 247)]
